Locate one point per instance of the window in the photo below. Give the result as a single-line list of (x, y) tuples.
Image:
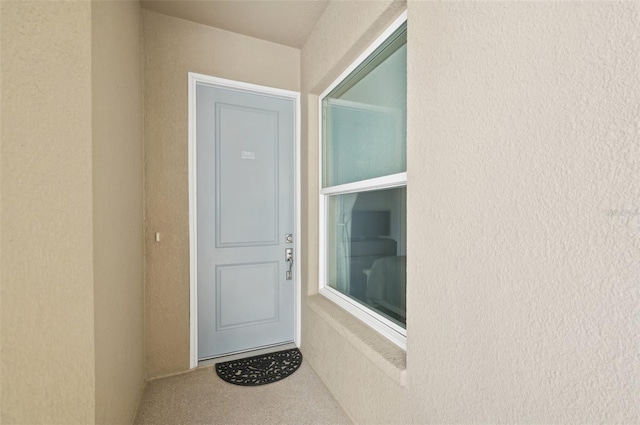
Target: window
[(363, 186)]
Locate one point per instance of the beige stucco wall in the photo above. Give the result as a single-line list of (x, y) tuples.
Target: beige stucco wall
[(172, 48), (46, 209), (531, 190), (71, 246), (523, 222), (1, 217), (118, 258)]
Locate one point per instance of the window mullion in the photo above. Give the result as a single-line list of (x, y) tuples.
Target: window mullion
[(385, 182)]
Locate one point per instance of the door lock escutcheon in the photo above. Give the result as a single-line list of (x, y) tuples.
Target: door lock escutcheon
[(288, 257)]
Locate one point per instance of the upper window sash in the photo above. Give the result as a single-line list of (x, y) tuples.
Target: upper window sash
[(375, 147)]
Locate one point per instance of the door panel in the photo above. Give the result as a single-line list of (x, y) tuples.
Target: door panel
[(247, 182), (245, 206), (255, 284)]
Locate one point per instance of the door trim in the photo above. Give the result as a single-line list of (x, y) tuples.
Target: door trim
[(194, 79)]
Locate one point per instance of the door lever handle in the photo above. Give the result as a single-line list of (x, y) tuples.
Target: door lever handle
[(288, 257)]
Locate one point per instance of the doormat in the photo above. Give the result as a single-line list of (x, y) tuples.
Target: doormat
[(260, 370)]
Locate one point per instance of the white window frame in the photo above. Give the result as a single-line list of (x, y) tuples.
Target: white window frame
[(388, 328)]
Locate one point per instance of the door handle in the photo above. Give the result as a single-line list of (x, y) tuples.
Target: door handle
[(288, 257)]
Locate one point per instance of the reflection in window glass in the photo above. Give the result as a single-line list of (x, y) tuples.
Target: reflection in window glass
[(366, 258)]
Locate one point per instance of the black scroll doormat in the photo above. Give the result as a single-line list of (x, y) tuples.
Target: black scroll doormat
[(260, 370)]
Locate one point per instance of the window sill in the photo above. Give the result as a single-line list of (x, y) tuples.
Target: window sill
[(388, 357)]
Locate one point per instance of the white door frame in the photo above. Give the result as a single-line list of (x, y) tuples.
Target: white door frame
[(193, 185)]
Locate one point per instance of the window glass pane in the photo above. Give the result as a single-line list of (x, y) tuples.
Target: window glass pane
[(365, 118), (366, 249)]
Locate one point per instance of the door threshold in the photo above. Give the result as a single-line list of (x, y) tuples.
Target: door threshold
[(246, 353)]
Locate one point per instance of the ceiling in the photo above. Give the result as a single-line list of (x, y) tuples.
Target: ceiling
[(287, 22)]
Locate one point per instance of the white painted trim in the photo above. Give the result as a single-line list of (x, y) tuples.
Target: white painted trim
[(240, 85), (387, 328), (384, 182), (322, 244), (195, 79), (322, 205), (297, 251), (193, 228)]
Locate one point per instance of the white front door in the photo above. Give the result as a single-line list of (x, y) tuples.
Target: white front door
[(245, 219)]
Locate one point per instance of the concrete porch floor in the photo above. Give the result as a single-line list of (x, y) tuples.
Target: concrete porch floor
[(201, 397)]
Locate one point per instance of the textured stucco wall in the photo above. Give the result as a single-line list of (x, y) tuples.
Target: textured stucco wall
[(172, 48), (523, 160), (116, 49), (523, 217), (46, 207), (1, 218)]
